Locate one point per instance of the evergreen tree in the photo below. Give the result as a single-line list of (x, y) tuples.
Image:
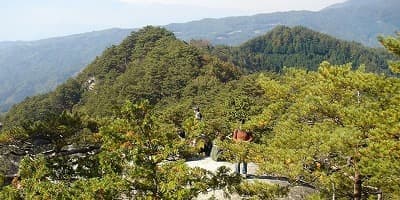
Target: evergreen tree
[(392, 44), (335, 128)]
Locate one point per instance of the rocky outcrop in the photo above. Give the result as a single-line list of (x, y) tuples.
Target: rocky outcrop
[(296, 192)]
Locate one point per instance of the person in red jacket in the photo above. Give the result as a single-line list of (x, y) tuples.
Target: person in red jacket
[(242, 136)]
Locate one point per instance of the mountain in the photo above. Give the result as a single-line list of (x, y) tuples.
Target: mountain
[(124, 126), (153, 64), (354, 20), (28, 68), (149, 64), (301, 47)]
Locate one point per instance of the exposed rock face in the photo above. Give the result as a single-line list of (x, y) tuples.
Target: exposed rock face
[(9, 160), (12, 154), (295, 192), (91, 83)]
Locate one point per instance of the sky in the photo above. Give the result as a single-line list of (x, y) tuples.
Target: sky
[(38, 19)]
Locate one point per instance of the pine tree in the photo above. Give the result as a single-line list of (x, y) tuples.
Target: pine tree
[(335, 127), (138, 148), (392, 44)]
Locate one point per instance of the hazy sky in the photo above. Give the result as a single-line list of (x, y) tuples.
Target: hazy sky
[(36, 19)]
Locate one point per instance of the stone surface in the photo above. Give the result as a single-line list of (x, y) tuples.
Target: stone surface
[(295, 192)]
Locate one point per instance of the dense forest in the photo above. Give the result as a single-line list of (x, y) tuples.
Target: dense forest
[(111, 132), (37, 67), (302, 48)]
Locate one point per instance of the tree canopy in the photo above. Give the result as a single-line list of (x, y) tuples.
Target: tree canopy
[(392, 44), (303, 48), (112, 132)]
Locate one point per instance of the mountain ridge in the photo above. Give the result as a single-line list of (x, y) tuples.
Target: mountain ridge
[(349, 20), (133, 104), (301, 47), (149, 64), (37, 66), (26, 69)]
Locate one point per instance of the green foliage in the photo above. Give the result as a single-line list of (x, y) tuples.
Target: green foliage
[(300, 47), (37, 183), (9, 193), (238, 108), (150, 64), (337, 127), (316, 197), (34, 169), (31, 109), (68, 95), (58, 129), (29, 68), (12, 135), (133, 163), (326, 127), (136, 147), (392, 44), (259, 190)]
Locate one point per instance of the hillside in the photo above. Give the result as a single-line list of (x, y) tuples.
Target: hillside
[(354, 20), (115, 73), (124, 127), (303, 48), (29, 68), (166, 76), (150, 64)]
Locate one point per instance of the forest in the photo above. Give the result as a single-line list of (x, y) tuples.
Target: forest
[(327, 117), (28, 68), (301, 47)]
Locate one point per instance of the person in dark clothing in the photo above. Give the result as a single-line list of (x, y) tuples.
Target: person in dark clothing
[(242, 136), (197, 114), (181, 133)]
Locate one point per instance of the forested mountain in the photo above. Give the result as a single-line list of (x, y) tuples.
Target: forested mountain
[(28, 68), (162, 78), (303, 48), (296, 47), (150, 64), (115, 129), (354, 20)]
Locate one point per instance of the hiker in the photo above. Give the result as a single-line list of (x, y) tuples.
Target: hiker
[(242, 136), (203, 142), (181, 133), (207, 145), (197, 114), (216, 151)]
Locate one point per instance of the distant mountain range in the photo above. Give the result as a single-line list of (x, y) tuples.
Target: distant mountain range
[(28, 68), (355, 20)]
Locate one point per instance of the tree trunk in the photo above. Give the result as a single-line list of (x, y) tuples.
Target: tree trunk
[(334, 191), (357, 186)]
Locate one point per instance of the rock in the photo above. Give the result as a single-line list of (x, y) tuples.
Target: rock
[(295, 192)]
